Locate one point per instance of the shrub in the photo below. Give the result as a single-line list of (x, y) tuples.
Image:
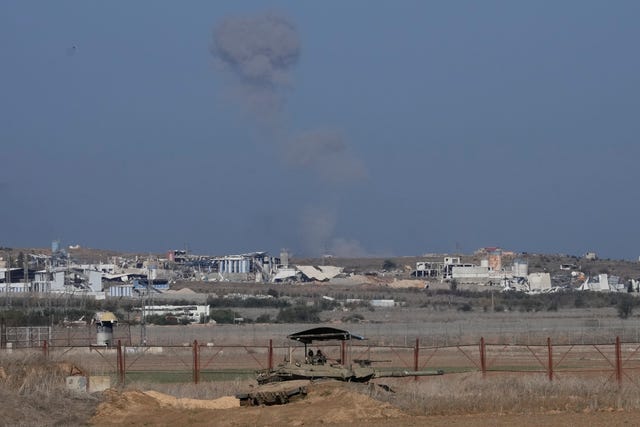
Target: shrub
[(161, 319), (298, 314), (389, 265), (625, 306), (264, 318), (223, 315), (465, 307), (353, 318)]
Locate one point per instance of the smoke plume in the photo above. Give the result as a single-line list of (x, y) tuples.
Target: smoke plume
[(259, 52), (258, 55), (319, 224), (325, 151)]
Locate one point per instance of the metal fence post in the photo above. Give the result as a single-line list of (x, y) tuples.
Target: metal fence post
[(196, 367), (550, 363), (45, 349), (343, 353), (618, 361), (270, 354), (120, 363), (416, 356), (483, 357)]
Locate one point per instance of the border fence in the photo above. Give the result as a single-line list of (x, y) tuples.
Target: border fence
[(615, 361)]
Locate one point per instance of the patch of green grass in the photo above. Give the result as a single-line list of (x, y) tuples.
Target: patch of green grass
[(185, 377)]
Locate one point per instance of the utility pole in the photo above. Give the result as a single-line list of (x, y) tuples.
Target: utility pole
[(143, 325), (25, 268), (7, 282)]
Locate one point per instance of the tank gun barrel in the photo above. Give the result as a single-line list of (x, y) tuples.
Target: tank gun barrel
[(406, 373)]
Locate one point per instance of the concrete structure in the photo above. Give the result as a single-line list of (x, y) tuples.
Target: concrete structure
[(448, 260), (118, 291), (244, 267), (194, 313), (601, 284), (306, 273), (539, 281), (286, 274), (98, 383), (382, 303), (470, 274), (320, 273), (76, 384), (495, 260), (428, 269), (520, 268), (591, 256), (158, 285)]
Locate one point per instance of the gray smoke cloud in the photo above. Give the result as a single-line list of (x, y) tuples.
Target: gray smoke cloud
[(326, 152), (319, 223), (260, 53)]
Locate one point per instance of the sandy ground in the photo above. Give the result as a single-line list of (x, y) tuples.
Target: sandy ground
[(327, 403)]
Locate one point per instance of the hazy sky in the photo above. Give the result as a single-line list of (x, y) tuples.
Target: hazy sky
[(351, 127)]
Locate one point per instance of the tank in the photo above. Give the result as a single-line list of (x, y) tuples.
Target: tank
[(317, 367), (299, 371), (274, 394)]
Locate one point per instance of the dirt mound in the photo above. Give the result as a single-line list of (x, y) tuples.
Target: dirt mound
[(182, 291), (335, 402), (165, 400), (326, 403), (398, 284)]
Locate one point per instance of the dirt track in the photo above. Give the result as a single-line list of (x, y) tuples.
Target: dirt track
[(326, 404)]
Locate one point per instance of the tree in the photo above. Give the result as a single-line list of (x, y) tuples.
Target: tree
[(20, 260), (223, 315), (625, 306), (298, 314), (264, 318)]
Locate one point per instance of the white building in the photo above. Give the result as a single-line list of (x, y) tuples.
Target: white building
[(192, 312)]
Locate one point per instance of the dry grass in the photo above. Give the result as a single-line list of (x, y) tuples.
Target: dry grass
[(33, 393), (470, 393), (461, 394)]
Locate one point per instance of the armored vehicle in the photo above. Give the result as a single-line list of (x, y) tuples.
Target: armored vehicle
[(274, 394), (317, 366)]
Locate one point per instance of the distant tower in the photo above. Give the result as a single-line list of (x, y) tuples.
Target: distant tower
[(284, 258), (105, 322), (520, 268), (495, 259)]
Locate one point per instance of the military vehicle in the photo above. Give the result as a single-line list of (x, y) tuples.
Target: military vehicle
[(274, 394), (317, 366)]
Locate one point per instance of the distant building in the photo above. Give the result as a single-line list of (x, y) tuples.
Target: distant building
[(591, 256), (194, 313)]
